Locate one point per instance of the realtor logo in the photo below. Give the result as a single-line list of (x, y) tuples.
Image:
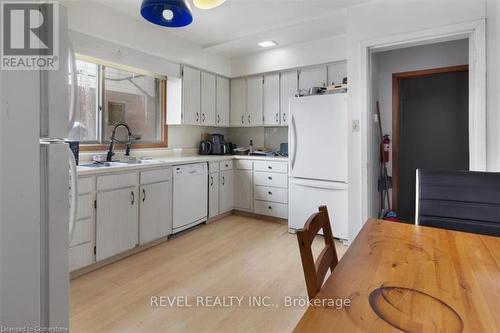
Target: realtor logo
[(29, 35)]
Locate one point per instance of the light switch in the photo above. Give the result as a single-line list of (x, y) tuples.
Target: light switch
[(355, 125)]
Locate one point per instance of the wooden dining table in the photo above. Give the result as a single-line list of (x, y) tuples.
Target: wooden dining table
[(401, 277)]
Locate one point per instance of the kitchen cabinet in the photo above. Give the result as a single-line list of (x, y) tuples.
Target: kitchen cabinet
[(155, 220), (213, 194), (208, 99), (222, 102), (243, 194), (313, 77), (336, 72), (238, 101), (117, 214), (271, 188), (255, 92), (226, 187), (272, 99), (191, 96), (288, 88)]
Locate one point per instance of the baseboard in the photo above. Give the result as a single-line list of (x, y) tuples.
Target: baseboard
[(260, 217)]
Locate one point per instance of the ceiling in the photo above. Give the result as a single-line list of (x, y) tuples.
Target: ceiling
[(234, 28)]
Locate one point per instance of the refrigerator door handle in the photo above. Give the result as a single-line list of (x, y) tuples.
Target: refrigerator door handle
[(319, 184), (294, 142), (74, 194), (74, 87)]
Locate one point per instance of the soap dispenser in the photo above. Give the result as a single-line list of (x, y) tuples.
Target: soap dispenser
[(251, 147)]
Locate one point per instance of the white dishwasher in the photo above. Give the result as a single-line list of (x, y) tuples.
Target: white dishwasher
[(190, 195)]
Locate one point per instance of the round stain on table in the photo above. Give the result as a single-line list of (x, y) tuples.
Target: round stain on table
[(414, 311)]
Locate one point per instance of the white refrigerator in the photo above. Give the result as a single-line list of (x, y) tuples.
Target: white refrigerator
[(318, 160), (37, 191)]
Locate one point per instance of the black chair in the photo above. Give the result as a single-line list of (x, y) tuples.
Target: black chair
[(459, 200)]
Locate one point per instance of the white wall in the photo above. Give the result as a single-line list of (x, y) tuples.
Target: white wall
[(99, 21), (314, 52), (189, 136), (268, 137)]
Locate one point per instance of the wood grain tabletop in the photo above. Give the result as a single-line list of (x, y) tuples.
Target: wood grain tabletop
[(402, 277)]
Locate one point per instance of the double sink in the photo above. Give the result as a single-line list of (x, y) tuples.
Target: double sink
[(116, 163)]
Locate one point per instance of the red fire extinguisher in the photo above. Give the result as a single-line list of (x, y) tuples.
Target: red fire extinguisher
[(384, 148)]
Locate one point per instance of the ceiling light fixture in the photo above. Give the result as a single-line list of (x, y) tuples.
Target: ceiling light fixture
[(208, 4), (268, 43), (167, 13)]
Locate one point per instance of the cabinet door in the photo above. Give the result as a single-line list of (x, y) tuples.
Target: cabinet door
[(238, 101), (255, 92), (207, 99), (213, 194), (155, 219), (243, 190), (288, 88), (336, 72), (117, 222), (272, 99), (222, 114), (312, 77), (226, 191), (191, 96)]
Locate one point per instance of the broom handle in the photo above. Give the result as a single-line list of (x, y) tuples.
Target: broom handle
[(386, 183)]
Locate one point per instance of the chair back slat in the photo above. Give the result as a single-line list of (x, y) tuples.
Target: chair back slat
[(315, 270)]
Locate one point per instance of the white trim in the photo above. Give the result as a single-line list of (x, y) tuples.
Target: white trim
[(475, 32)]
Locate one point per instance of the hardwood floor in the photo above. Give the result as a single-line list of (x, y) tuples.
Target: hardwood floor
[(235, 256)]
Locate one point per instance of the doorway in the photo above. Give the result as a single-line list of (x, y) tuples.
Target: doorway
[(430, 126)]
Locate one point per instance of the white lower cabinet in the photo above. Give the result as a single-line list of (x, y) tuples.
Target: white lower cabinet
[(226, 191), (271, 188), (155, 218), (117, 221), (243, 190), (213, 194)]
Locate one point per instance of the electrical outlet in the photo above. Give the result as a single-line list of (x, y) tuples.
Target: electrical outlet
[(355, 125)]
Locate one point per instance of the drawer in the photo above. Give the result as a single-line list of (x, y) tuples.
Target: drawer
[(80, 256), (85, 185), (226, 165), (271, 209), (116, 181), (156, 176), (271, 179), (273, 194), (243, 165), (213, 167), (85, 208), (271, 166), (84, 232)]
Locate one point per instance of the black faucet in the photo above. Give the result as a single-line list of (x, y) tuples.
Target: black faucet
[(109, 157)]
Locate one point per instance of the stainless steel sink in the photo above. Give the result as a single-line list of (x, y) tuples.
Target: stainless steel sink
[(99, 164)]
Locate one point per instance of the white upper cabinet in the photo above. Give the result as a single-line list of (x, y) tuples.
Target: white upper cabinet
[(272, 99), (191, 96), (336, 72), (288, 88), (313, 77), (238, 101), (208, 98), (222, 105), (255, 92)]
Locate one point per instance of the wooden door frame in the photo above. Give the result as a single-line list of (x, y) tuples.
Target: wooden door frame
[(396, 77)]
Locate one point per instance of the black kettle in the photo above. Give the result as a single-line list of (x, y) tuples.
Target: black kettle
[(205, 148)]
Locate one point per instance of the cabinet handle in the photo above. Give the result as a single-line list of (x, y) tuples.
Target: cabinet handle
[(277, 118), (211, 181), (242, 119), (270, 178), (143, 195), (133, 197), (284, 118), (218, 118), (223, 181), (249, 119), (270, 193), (269, 167), (197, 116), (202, 117)]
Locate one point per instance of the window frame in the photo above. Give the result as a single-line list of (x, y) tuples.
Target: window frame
[(99, 101)]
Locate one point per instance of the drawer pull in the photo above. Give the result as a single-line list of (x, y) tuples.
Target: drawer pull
[(270, 193), (269, 207), (270, 178), (269, 167)]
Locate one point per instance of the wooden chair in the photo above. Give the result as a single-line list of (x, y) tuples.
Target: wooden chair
[(315, 271)]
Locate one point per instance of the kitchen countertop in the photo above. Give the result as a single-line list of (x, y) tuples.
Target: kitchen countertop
[(171, 160)]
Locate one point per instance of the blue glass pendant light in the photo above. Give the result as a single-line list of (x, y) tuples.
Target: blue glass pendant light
[(167, 13)]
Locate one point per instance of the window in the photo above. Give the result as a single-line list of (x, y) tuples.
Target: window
[(109, 95)]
